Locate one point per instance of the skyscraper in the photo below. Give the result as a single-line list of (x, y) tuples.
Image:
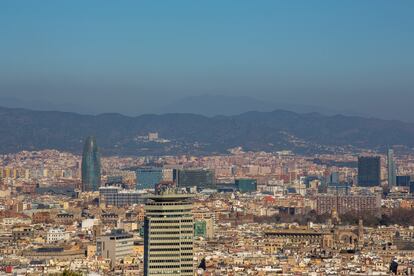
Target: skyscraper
[(168, 234), (392, 177), (148, 177), (91, 166), (403, 180), (202, 178), (369, 171), (245, 185)]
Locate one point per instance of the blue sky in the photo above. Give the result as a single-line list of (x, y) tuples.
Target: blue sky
[(136, 56)]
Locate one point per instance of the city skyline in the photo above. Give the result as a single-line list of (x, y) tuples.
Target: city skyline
[(264, 204), (208, 138)]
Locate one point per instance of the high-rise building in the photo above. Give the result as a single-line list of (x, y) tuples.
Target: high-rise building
[(201, 178), (91, 166), (168, 234), (148, 177), (369, 171), (392, 178), (245, 185), (403, 180), (334, 178)]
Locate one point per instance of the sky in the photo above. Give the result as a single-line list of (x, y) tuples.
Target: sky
[(135, 57)]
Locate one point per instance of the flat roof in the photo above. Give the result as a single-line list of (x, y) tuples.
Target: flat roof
[(169, 197)]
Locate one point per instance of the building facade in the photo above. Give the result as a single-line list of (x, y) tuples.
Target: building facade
[(403, 180), (326, 204), (55, 235), (91, 166), (119, 197), (204, 228), (246, 185), (392, 175), (147, 178), (168, 235), (201, 178), (115, 246), (369, 171)]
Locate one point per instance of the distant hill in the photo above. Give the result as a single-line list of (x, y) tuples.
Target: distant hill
[(211, 105), (22, 129), (13, 102)]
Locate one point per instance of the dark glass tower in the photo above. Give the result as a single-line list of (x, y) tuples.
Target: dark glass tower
[(369, 171), (202, 178), (91, 166)]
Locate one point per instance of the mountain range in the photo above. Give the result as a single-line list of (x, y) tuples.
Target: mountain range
[(204, 104), (212, 105), (23, 129)]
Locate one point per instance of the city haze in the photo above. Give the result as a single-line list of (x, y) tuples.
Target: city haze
[(141, 57)]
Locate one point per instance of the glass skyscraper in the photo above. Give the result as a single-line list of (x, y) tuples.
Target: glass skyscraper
[(369, 171), (91, 166), (246, 185), (202, 178), (392, 177), (148, 177)]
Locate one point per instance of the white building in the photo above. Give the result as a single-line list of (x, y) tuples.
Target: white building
[(115, 246), (87, 224), (152, 136), (57, 234)]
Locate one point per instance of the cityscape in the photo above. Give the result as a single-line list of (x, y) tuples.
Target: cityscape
[(206, 138), (243, 213)]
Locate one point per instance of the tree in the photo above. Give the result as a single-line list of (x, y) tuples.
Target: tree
[(70, 273)]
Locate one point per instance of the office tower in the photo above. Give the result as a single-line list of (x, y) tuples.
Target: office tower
[(168, 174), (334, 178), (115, 246), (148, 177), (91, 166), (201, 178), (403, 180), (246, 185), (391, 168), (168, 234), (114, 180), (369, 171)]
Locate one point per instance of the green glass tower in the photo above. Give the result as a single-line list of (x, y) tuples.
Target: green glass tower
[(91, 166)]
